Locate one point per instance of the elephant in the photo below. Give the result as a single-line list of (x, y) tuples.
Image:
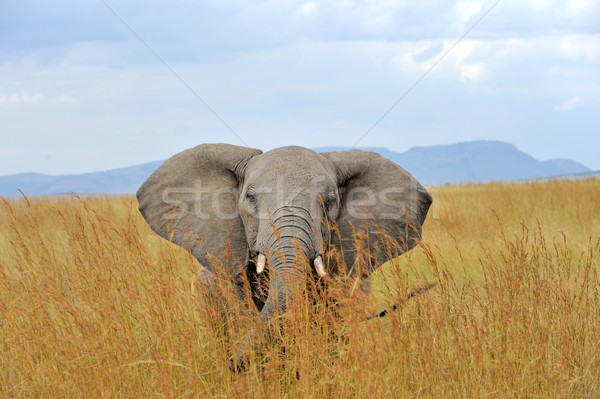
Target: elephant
[(262, 207)]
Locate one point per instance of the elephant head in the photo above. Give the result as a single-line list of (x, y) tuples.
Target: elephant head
[(268, 205)]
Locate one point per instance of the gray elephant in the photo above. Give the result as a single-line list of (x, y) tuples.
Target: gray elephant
[(267, 205)]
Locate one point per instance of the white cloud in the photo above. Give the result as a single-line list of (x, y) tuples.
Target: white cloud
[(378, 23), (463, 12), (580, 47), (308, 9), (35, 98), (567, 105), (344, 4), (64, 99), (538, 66), (21, 98), (456, 65), (472, 72)]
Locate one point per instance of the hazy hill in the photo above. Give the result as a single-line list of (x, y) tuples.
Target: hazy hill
[(116, 181), (475, 161)]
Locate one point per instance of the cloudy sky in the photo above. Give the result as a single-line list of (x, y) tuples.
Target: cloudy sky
[(100, 84)]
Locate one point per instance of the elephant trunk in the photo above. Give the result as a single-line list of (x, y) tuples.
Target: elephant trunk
[(293, 239)]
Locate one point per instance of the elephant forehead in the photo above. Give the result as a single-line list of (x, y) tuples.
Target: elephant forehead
[(291, 167), (284, 191)]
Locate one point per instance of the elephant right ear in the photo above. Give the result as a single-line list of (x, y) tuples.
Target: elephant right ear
[(381, 200), (191, 200)]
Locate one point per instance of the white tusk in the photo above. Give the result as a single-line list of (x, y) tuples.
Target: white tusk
[(260, 263), (319, 266)]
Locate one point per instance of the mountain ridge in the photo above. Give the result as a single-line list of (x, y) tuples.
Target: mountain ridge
[(467, 162), (474, 162)]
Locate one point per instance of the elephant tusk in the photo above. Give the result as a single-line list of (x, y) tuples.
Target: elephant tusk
[(260, 263), (319, 266)]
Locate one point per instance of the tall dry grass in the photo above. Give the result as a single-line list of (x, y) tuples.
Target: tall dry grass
[(94, 304)]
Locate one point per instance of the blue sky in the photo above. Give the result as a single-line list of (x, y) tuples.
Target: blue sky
[(80, 92)]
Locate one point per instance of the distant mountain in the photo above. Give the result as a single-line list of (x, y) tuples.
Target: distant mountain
[(474, 161), (116, 181)]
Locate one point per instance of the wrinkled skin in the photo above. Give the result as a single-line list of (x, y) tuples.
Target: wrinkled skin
[(275, 202)]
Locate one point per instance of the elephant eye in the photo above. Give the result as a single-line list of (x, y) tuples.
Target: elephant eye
[(251, 197), (330, 202)]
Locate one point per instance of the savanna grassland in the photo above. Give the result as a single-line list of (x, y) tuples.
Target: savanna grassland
[(94, 304)]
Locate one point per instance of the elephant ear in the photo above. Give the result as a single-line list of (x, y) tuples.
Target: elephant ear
[(380, 200), (191, 200)]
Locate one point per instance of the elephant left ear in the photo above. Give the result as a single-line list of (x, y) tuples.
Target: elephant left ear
[(380, 200)]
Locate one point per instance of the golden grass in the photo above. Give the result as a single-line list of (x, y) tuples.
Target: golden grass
[(94, 304)]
